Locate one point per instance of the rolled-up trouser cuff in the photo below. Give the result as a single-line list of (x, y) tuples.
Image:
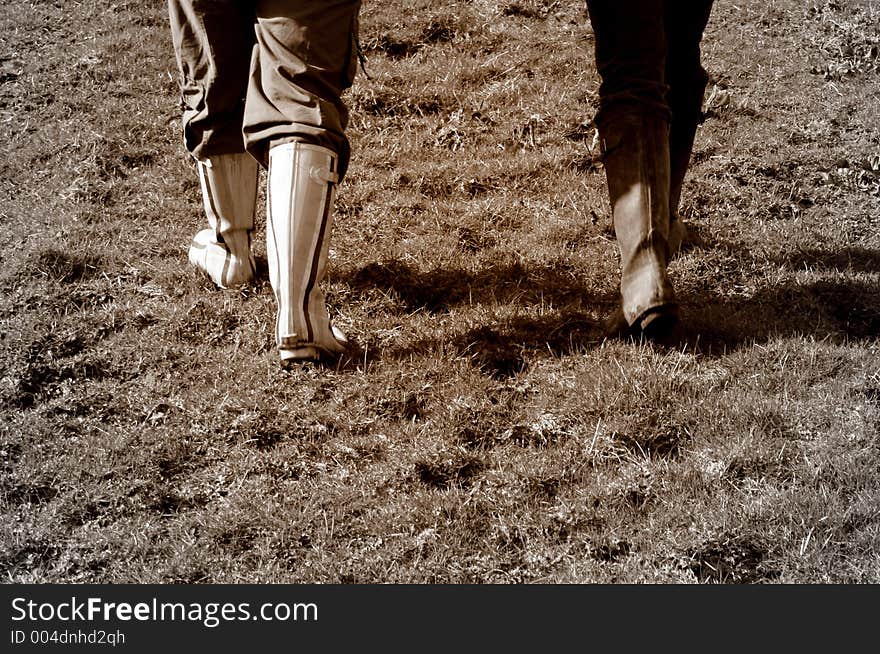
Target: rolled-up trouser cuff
[(623, 106), (648, 56)]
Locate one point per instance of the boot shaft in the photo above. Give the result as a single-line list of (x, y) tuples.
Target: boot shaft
[(229, 192), (229, 186), (301, 187), (636, 159)]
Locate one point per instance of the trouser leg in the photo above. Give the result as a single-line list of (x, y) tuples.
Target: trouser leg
[(213, 40), (306, 56), (630, 49), (633, 123), (295, 124)]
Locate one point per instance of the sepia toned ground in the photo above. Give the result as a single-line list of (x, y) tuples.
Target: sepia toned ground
[(482, 430)]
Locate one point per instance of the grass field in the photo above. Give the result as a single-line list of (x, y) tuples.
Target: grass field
[(482, 431)]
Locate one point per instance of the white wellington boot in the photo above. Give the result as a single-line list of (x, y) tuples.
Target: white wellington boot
[(229, 191), (301, 187)]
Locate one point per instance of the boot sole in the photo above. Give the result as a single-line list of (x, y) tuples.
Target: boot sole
[(655, 324), (289, 358), (659, 325)]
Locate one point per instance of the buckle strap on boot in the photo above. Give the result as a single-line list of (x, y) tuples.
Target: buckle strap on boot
[(323, 175)]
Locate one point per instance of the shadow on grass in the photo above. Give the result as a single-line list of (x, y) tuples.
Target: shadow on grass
[(732, 560), (500, 350), (60, 266), (712, 325), (848, 310), (835, 308), (441, 289), (845, 259)]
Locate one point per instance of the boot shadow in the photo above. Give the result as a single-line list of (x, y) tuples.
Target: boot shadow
[(261, 268), (837, 307), (501, 349), (854, 259), (441, 289), (836, 310), (504, 349)]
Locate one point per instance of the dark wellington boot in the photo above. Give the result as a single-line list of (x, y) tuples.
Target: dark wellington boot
[(636, 158), (686, 104), (682, 134)]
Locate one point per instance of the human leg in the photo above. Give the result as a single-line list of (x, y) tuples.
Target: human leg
[(212, 43), (633, 123), (295, 124), (636, 160), (306, 56), (229, 194), (301, 183), (687, 81)]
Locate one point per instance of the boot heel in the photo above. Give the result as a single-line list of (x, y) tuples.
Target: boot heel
[(660, 322)]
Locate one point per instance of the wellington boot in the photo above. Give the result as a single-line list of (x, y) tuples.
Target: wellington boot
[(636, 158), (681, 142), (687, 116), (229, 191), (301, 185)]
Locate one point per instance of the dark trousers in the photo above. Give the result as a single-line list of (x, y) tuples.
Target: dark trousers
[(258, 73), (650, 103), (648, 56)]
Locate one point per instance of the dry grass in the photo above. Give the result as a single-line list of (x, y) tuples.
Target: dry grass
[(483, 431)]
